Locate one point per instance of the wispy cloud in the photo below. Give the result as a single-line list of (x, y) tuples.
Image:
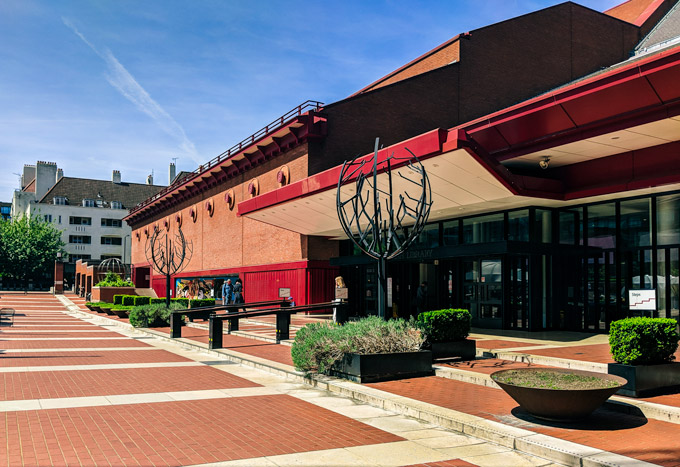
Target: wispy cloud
[(121, 79)]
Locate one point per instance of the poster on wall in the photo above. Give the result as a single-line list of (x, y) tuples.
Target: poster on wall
[(201, 287), (195, 288)]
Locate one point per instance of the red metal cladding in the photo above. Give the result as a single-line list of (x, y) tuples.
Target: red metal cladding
[(535, 125), (265, 285), (665, 83), (613, 100)]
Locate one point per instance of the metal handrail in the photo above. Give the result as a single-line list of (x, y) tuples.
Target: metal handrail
[(306, 106)]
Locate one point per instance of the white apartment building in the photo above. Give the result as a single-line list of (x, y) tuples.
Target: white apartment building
[(88, 212)]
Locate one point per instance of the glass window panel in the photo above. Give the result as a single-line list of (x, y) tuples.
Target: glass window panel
[(668, 219), (429, 237), (518, 225), (483, 229), (662, 284), (451, 230), (492, 271), (636, 222), (569, 226), (602, 225)]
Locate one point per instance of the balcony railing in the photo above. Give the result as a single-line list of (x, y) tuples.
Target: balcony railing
[(306, 106)]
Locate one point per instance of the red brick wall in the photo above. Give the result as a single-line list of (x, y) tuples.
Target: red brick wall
[(225, 243), (500, 65), (440, 58), (225, 239)]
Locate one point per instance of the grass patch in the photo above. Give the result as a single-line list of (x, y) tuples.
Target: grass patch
[(553, 380)]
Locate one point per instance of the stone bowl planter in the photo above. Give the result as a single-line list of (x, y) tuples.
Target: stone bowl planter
[(559, 404)]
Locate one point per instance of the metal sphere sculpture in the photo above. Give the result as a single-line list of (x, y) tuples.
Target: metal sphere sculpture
[(380, 222), (112, 265), (168, 254)]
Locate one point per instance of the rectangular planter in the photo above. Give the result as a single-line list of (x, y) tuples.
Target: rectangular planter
[(105, 294), (643, 379), (465, 349), (372, 368)]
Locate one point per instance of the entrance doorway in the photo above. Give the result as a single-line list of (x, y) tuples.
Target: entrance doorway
[(483, 291)]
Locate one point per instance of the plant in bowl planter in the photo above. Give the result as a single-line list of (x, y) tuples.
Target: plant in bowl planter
[(556, 393), (643, 349), (446, 332), (368, 350)]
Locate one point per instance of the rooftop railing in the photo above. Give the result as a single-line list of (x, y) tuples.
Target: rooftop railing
[(305, 107)]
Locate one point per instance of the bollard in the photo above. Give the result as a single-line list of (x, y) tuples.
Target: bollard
[(175, 325), (214, 332), (282, 326)]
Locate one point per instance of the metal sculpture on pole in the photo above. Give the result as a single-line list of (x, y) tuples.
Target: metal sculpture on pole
[(168, 255), (383, 224)]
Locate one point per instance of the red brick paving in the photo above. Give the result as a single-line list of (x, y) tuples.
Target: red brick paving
[(644, 439), (72, 344), (23, 334), (501, 344), (19, 359), (274, 352), (178, 433), (81, 383), (588, 353)]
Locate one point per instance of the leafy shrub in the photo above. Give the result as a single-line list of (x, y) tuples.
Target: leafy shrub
[(129, 300), (643, 341), (195, 302), (113, 280), (182, 301), (152, 315), (154, 301), (118, 299), (139, 300), (318, 346), (445, 325)]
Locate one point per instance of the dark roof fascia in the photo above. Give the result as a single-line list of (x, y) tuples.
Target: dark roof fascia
[(45, 200)]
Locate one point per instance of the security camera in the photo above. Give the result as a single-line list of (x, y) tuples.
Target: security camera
[(543, 163)]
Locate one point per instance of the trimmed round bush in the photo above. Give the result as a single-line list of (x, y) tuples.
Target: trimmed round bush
[(643, 341), (445, 325)]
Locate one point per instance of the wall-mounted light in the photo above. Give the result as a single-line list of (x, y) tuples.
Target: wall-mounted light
[(543, 163)]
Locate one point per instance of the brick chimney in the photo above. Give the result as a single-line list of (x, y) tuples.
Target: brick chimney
[(115, 177)]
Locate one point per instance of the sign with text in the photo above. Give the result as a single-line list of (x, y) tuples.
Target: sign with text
[(642, 299), (341, 292), (284, 292)]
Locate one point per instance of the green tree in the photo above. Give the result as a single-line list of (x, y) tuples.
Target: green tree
[(28, 248)]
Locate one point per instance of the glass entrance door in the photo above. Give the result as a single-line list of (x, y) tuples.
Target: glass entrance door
[(483, 291)]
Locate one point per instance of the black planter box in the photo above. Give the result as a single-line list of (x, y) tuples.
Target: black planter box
[(372, 368), (643, 379), (465, 349)]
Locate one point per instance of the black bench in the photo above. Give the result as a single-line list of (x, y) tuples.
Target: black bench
[(205, 312), (283, 313), (7, 314)]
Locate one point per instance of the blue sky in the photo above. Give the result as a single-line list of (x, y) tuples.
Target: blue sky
[(100, 85)]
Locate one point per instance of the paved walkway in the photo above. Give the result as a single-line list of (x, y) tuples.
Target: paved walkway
[(643, 430), (79, 389)]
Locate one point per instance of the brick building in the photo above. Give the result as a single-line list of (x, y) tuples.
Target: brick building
[(552, 144)]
